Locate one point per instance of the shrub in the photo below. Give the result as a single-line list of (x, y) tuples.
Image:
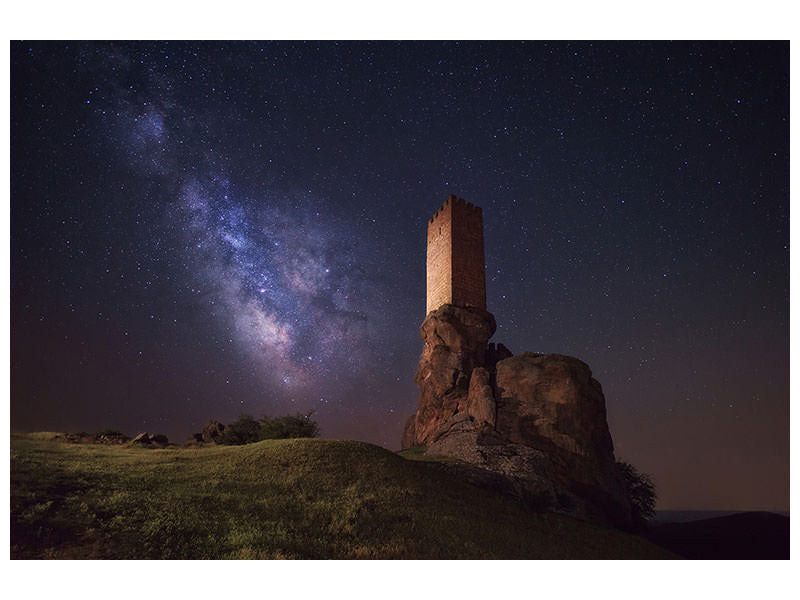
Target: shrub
[(211, 432), (245, 430), (641, 492), (111, 436), (110, 433), (290, 426)]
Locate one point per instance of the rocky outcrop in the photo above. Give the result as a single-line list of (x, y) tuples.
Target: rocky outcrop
[(551, 402), (537, 419), (455, 344)]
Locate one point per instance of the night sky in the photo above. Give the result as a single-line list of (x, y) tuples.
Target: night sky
[(201, 230)]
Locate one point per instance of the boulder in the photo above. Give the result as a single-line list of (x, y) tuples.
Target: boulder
[(148, 439), (551, 401), (142, 438)]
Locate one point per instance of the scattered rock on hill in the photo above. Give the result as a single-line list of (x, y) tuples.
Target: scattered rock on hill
[(146, 439)]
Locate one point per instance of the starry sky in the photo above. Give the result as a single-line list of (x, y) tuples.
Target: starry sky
[(202, 230)]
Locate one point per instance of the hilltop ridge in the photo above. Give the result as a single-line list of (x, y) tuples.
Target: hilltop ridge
[(301, 498)]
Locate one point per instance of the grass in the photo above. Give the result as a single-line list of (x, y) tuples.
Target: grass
[(420, 453), (310, 498)]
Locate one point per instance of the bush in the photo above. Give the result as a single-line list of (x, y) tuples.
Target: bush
[(110, 433), (243, 431), (290, 426), (248, 430), (641, 492), (211, 432), (111, 436)]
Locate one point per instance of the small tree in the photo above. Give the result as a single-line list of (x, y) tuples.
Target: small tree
[(245, 430), (641, 492), (298, 425)]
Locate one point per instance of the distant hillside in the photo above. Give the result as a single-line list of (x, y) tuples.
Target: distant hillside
[(749, 535), (275, 499), (683, 516)]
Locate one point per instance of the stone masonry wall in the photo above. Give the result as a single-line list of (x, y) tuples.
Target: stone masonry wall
[(439, 258), (469, 280), (455, 258)]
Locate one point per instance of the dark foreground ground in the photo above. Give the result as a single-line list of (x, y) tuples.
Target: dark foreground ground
[(748, 535), (275, 499)]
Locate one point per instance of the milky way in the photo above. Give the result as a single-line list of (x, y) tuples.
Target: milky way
[(284, 276), (281, 272)]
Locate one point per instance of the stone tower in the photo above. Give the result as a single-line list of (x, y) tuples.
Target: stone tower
[(537, 421), (455, 256)]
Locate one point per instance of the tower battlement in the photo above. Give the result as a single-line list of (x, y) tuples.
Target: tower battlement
[(455, 259), (452, 200)]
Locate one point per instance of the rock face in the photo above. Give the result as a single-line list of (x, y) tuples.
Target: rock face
[(481, 406), (455, 344), (552, 403), (539, 420)]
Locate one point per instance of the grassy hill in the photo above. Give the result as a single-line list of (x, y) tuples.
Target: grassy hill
[(305, 498)]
